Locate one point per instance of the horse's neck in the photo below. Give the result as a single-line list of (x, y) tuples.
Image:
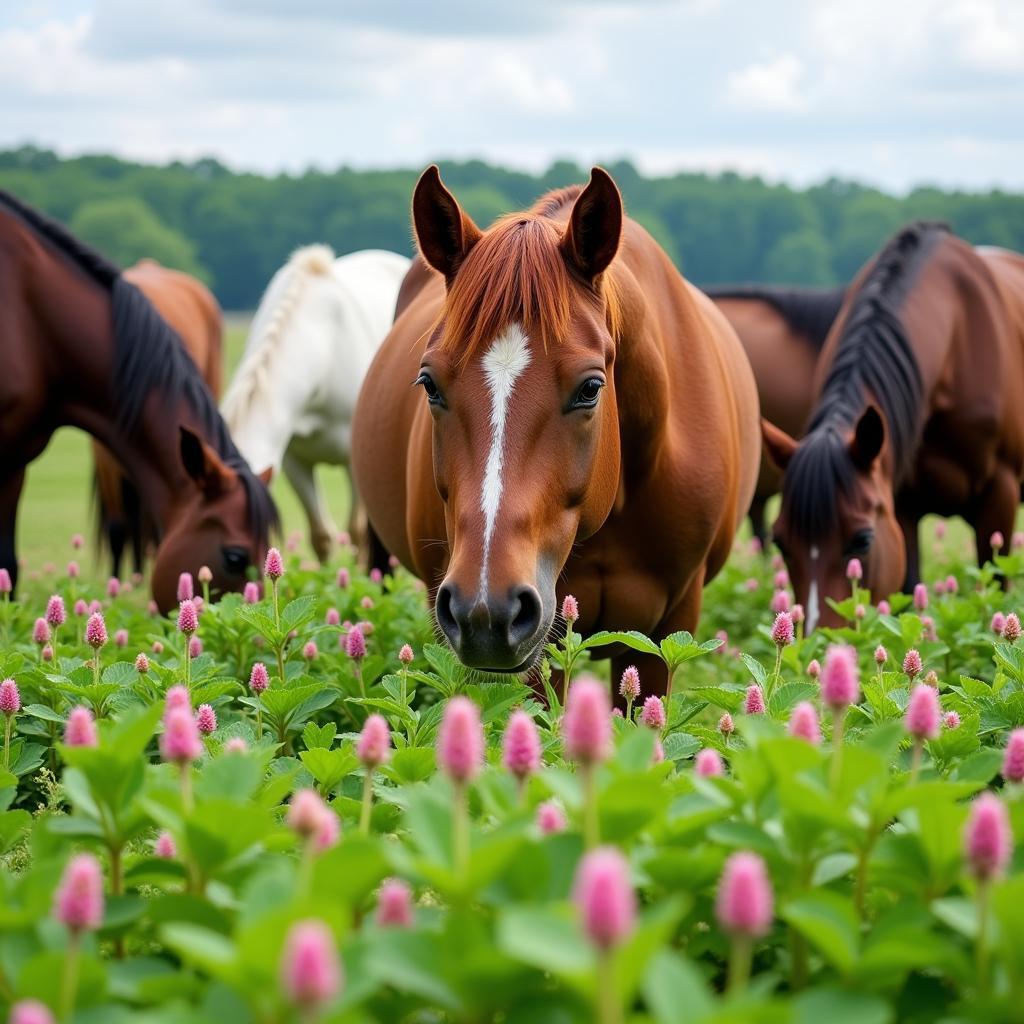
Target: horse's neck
[(84, 390), (149, 451), (74, 344)]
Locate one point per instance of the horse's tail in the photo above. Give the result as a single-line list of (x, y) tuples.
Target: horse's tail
[(252, 376), (112, 528), (810, 312), (120, 519)]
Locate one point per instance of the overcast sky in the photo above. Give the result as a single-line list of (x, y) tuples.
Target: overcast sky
[(893, 92)]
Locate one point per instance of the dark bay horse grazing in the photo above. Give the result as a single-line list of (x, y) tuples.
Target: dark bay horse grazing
[(193, 314), (584, 419), (81, 346), (919, 408), (782, 330)]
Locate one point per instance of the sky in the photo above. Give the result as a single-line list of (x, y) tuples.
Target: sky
[(894, 93)]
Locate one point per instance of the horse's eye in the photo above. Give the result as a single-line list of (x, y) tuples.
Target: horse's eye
[(433, 393), (860, 543), (236, 560), (587, 393)]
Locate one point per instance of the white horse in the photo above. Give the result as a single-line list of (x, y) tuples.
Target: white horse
[(290, 403)]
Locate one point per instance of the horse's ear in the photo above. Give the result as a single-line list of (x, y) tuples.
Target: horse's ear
[(868, 438), (266, 475), (204, 465), (444, 231), (592, 236), (779, 445)]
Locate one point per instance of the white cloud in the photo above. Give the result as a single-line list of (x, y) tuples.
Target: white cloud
[(792, 90), (773, 85), (989, 37)]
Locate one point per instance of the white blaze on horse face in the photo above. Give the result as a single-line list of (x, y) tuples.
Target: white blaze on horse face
[(504, 363), (812, 596)]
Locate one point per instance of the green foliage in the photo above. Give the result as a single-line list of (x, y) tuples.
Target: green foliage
[(876, 917), (127, 230), (236, 229)]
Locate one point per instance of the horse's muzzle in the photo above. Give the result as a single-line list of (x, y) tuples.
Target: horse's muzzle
[(493, 633)]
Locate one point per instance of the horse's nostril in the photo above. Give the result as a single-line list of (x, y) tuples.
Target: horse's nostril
[(446, 615), (526, 616)]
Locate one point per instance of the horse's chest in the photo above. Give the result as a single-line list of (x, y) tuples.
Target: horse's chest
[(613, 587)]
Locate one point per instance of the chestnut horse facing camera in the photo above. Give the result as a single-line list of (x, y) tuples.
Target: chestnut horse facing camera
[(582, 418), (82, 347), (782, 330), (919, 409), (193, 313)]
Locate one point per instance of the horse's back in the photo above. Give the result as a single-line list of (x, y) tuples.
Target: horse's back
[(372, 278), (1008, 268)]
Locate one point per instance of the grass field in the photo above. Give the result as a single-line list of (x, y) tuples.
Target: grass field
[(57, 500)]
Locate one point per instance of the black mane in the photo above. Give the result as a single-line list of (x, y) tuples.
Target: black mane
[(873, 355), (809, 311), (150, 357)]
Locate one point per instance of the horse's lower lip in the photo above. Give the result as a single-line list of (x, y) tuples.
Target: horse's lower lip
[(523, 666)]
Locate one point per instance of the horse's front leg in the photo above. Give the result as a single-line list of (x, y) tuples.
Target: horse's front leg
[(910, 525), (995, 512), (10, 493), (321, 529), (358, 524)]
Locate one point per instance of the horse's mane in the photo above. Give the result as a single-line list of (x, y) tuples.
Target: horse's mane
[(252, 379), (873, 354), (516, 274), (150, 357), (810, 312)]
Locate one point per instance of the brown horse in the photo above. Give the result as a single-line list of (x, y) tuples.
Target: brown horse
[(81, 346), (920, 408), (192, 312), (583, 416), (782, 330)]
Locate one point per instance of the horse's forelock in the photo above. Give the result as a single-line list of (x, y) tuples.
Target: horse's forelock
[(820, 472), (516, 273)]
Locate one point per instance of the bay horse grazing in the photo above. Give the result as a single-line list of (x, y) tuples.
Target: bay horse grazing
[(81, 346), (583, 419), (292, 399), (193, 314), (782, 330), (919, 409)]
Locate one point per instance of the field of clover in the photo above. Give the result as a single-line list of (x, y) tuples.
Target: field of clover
[(295, 805)]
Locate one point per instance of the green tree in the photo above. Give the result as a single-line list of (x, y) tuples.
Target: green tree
[(801, 257), (866, 221), (239, 228), (126, 229)]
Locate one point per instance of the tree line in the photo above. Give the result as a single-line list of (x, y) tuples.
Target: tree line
[(234, 229)]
